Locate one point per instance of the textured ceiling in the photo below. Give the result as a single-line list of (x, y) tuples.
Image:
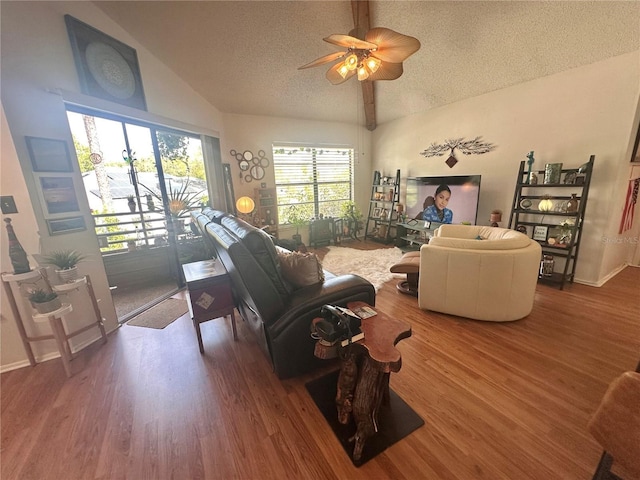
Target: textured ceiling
[(242, 56)]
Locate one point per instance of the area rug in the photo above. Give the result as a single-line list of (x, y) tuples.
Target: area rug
[(163, 314), (396, 420), (370, 264)]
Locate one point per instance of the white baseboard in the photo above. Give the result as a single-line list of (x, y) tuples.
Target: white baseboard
[(604, 280), (51, 355)]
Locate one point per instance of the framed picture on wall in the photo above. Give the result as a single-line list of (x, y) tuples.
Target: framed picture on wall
[(58, 195), (48, 155), (61, 226), (635, 154), (107, 68)]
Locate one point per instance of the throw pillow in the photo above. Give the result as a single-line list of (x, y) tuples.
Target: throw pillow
[(301, 269)]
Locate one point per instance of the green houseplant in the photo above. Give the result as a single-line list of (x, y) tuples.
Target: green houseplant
[(296, 216), (351, 217), (44, 301), (66, 261)]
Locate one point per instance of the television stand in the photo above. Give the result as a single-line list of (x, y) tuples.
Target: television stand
[(411, 235)]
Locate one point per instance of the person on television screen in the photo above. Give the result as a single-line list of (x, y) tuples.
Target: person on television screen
[(438, 211)]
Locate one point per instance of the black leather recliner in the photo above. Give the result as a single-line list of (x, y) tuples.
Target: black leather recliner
[(279, 315)]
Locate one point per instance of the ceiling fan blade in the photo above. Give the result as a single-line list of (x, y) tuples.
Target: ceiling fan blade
[(325, 59), (393, 47), (387, 71), (349, 42), (335, 78)]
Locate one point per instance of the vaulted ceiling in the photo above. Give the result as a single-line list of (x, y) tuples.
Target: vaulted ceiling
[(242, 56)]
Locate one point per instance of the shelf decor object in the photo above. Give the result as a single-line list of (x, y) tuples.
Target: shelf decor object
[(107, 68), (572, 204), (545, 205), (547, 265), (552, 173)]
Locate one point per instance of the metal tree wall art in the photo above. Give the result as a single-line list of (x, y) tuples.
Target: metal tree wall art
[(466, 147)]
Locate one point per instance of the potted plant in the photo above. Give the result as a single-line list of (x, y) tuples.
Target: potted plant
[(181, 201), (131, 201), (296, 217), (44, 301), (66, 261), (352, 218)]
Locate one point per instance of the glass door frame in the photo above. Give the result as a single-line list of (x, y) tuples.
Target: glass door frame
[(153, 131)]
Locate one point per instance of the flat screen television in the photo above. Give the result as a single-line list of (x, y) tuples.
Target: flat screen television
[(462, 201)]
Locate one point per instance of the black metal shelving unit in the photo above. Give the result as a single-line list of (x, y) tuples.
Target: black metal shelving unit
[(382, 208), (525, 214)]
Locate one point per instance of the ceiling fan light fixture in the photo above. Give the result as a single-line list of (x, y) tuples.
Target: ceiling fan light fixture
[(363, 73), (351, 62), (343, 70), (372, 64)]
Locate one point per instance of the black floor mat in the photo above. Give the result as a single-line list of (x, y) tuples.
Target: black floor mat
[(395, 420)]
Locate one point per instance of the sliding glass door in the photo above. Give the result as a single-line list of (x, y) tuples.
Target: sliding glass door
[(141, 181)]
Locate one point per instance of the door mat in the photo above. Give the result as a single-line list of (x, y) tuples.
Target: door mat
[(395, 420), (163, 314)]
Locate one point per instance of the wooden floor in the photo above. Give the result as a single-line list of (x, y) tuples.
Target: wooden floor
[(500, 401)]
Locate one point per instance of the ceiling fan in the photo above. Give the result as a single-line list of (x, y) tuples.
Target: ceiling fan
[(378, 56), (372, 54)]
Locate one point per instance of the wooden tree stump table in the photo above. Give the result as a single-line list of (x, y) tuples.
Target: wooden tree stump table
[(363, 382)]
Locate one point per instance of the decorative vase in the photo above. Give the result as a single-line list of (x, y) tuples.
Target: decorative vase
[(533, 178), (68, 275), (17, 254), (572, 203), (47, 307)]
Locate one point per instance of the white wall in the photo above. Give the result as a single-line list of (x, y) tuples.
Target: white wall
[(38, 74), (563, 118), (246, 132)]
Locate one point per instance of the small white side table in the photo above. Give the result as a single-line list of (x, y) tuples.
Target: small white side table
[(55, 318)]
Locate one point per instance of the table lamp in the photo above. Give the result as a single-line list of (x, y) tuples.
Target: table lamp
[(245, 205)]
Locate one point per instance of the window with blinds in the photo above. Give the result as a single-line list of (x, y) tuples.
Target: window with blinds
[(311, 181)]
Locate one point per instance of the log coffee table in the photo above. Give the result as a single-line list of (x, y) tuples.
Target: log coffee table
[(363, 382)]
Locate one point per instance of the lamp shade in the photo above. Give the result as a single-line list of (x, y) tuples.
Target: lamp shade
[(245, 205)]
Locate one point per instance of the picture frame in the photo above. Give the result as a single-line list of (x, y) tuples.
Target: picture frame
[(61, 226), (107, 68), (376, 212), (58, 195), (49, 155), (540, 233), (635, 154)]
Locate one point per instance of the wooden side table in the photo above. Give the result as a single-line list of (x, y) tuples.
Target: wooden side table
[(363, 382), (210, 295)]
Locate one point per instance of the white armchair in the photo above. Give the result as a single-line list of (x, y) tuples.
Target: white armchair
[(483, 273)]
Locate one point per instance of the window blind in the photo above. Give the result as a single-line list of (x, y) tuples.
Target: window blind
[(312, 180)]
